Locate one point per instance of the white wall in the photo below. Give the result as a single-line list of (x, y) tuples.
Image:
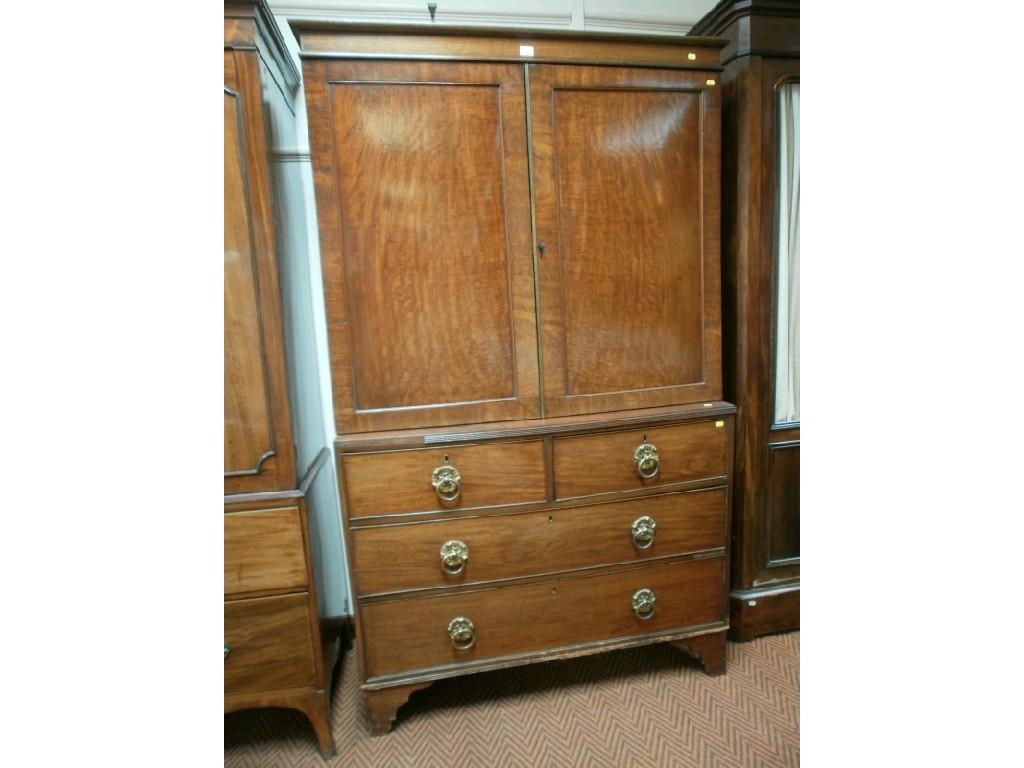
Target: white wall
[(305, 320), (306, 334)]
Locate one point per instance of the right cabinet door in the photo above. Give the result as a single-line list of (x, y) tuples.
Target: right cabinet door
[(626, 172)]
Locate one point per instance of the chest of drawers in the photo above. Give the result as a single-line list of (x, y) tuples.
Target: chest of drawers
[(476, 548)]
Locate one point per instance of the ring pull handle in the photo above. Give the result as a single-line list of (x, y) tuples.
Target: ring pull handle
[(454, 555), (646, 459), (462, 632), (643, 532), (447, 483), (643, 603)]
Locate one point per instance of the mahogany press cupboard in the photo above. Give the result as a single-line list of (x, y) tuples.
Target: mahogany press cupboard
[(519, 235)]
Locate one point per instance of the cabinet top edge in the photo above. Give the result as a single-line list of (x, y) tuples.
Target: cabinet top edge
[(325, 39), (718, 19), (300, 27), (250, 24), (532, 428)]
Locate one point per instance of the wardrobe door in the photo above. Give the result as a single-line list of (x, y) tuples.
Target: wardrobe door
[(258, 452), (626, 172), (422, 192)]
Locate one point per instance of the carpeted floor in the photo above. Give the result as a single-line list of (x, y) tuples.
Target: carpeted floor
[(649, 706)]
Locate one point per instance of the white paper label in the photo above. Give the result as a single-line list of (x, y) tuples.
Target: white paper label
[(526, 50)]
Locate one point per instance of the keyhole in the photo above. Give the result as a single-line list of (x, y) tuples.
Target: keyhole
[(551, 519)]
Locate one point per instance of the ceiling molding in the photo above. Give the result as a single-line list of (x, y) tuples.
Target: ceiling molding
[(417, 14)]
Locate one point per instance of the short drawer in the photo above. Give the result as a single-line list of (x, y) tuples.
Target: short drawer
[(531, 543), (263, 550), (605, 462), (268, 644), (404, 635), (488, 474)]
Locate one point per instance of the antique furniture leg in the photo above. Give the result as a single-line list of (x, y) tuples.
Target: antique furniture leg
[(382, 706), (709, 650), (317, 708)]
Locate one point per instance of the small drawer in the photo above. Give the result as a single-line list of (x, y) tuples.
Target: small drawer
[(607, 462), (475, 549), (263, 551), (465, 476), (268, 644), (418, 633)]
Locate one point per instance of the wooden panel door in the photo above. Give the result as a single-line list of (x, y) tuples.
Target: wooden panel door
[(626, 173), (423, 199), (258, 452)]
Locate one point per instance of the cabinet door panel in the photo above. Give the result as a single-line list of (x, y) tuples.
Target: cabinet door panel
[(427, 261), (626, 174), (258, 452)]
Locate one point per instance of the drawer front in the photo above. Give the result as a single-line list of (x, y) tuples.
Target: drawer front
[(271, 644), (605, 462), (263, 550), (408, 556), (413, 634), (400, 481)]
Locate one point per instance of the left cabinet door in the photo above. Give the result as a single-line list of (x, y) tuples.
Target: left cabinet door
[(258, 453), (423, 202)]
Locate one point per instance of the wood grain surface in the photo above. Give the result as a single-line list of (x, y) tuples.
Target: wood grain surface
[(271, 644), (399, 481), (511, 546), (626, 180), (602, 463), (258, 452), (423, 195), (412, 634), (263, 550)]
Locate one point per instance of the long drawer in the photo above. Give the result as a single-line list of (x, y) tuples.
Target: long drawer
[(605, 462), (411, 556), (268, 644), (263, 550), (489, 474), (409, 634)]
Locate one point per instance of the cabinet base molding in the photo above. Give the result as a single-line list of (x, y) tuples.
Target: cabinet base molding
[(758, 612), (383, 703)]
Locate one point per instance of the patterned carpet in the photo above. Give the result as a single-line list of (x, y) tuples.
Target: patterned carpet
[(640, 707)]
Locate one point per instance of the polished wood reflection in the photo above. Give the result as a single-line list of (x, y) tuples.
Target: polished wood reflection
[(247, 434), (429, 269), (530, 543), (412, 634), (258, 450), (626, 180), (628, 188)]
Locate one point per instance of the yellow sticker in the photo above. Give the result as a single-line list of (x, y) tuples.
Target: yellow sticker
[(709, 82), (691, 56), (719, 423)]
